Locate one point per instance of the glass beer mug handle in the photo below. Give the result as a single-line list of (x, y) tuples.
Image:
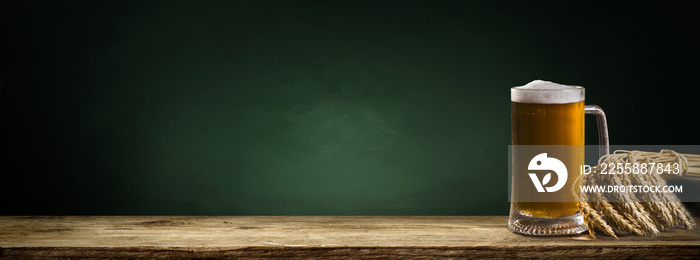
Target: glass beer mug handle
[(603, 142)]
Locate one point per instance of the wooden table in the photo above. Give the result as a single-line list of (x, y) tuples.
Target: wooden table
[(310, 237)]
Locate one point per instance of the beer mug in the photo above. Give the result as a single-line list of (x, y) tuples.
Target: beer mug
[(548, 114)]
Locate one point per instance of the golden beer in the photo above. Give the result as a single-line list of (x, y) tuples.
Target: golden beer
[(550, 124), (547, 121)]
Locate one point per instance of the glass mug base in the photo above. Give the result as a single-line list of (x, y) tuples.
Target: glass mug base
[(528, 224)]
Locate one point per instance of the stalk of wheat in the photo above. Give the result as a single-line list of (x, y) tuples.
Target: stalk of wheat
[(660, 211)]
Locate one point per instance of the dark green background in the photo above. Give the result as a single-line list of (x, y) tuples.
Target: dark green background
[(313, 107)]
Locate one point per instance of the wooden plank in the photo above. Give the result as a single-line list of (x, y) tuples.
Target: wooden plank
[(312, 236)]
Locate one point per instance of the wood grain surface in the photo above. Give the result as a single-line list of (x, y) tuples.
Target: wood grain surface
[(313, 236)]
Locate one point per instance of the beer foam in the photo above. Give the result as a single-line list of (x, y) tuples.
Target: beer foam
[(546, 92)]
